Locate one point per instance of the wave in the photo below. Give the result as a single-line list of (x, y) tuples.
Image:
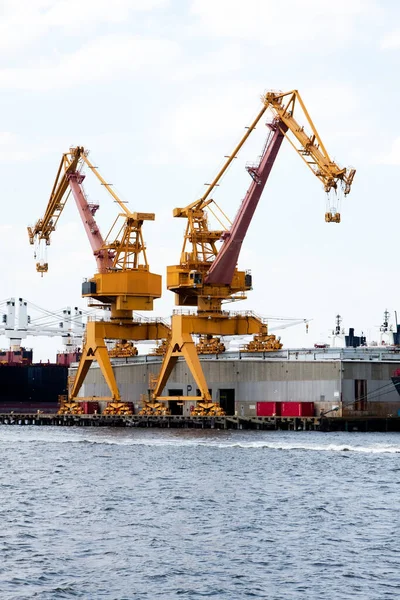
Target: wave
[(317, 447), (135, 438)]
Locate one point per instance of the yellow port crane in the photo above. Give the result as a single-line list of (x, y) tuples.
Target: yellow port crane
[(123, 283), (206, 277)]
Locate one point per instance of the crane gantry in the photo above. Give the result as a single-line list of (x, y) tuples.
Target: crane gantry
[(123, 283), (206, 277)]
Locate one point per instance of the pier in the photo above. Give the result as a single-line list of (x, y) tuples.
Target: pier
[(169, 421), (351, 424)]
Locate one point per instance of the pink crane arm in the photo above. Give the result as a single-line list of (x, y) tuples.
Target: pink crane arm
[(223, 267), (86, 211)]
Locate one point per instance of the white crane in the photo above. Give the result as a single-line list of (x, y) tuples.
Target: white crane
[(17, 325)]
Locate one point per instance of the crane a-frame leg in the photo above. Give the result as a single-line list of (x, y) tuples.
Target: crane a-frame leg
[(181, 345), (95, 349)]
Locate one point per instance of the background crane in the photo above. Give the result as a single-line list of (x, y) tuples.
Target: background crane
[(16, 324), (123, 283), (206, 276)]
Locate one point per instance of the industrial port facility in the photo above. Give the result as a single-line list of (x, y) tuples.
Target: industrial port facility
[(182, 378), (335, 381)]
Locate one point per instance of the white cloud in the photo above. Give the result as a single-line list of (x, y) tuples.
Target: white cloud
[(219, 62), (12, 149), (271, 24), (16, 148), (335, 110), (391, 40), (77, 13), (105, 58), (213, 120), (212, 117), (25, 21), (393, 156)]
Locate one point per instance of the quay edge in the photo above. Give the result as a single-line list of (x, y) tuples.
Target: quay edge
[(295, 424)]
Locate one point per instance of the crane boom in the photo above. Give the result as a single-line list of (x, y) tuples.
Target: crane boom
[(219, 266), (69, 179), (223, 267), (310, 147), (205, 200), (58, 198), (123, 248), (86, 211)]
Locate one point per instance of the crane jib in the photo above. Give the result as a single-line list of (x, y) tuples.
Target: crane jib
[(103, 259), (223, 267)]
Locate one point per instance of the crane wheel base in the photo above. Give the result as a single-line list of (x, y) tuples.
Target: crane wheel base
[(70, 408), (208, 409), (118, 408), (151, 409)]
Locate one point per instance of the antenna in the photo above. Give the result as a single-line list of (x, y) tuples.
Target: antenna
[(385, 325), (338, 320)]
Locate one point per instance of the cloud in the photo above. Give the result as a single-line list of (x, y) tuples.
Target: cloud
[(391, 40), (105, 58), (219, 62), (13, 149), (75, 13), (25, 21), (17, 148), (270, 24), (211, 118), (393, 156)]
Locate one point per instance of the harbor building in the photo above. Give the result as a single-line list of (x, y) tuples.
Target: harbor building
[(339, 381)]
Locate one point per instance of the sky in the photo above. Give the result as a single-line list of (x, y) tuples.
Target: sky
[(159, 91)]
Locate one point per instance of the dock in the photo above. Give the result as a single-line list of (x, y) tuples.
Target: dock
[(362, 424), (164, 422)]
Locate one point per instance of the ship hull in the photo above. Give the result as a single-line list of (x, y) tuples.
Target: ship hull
[(29, 388), (396, 383)]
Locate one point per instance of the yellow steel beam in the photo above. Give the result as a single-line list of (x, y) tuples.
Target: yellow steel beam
[(95, 349), (45, 226), (311, 147), (135, 215), (181, 345), (200, 203)]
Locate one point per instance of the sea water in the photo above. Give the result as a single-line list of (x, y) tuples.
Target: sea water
[(187, 514)]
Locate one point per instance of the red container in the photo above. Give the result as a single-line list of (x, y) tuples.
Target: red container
[(89, 408), (297, 409), (268, 409)]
